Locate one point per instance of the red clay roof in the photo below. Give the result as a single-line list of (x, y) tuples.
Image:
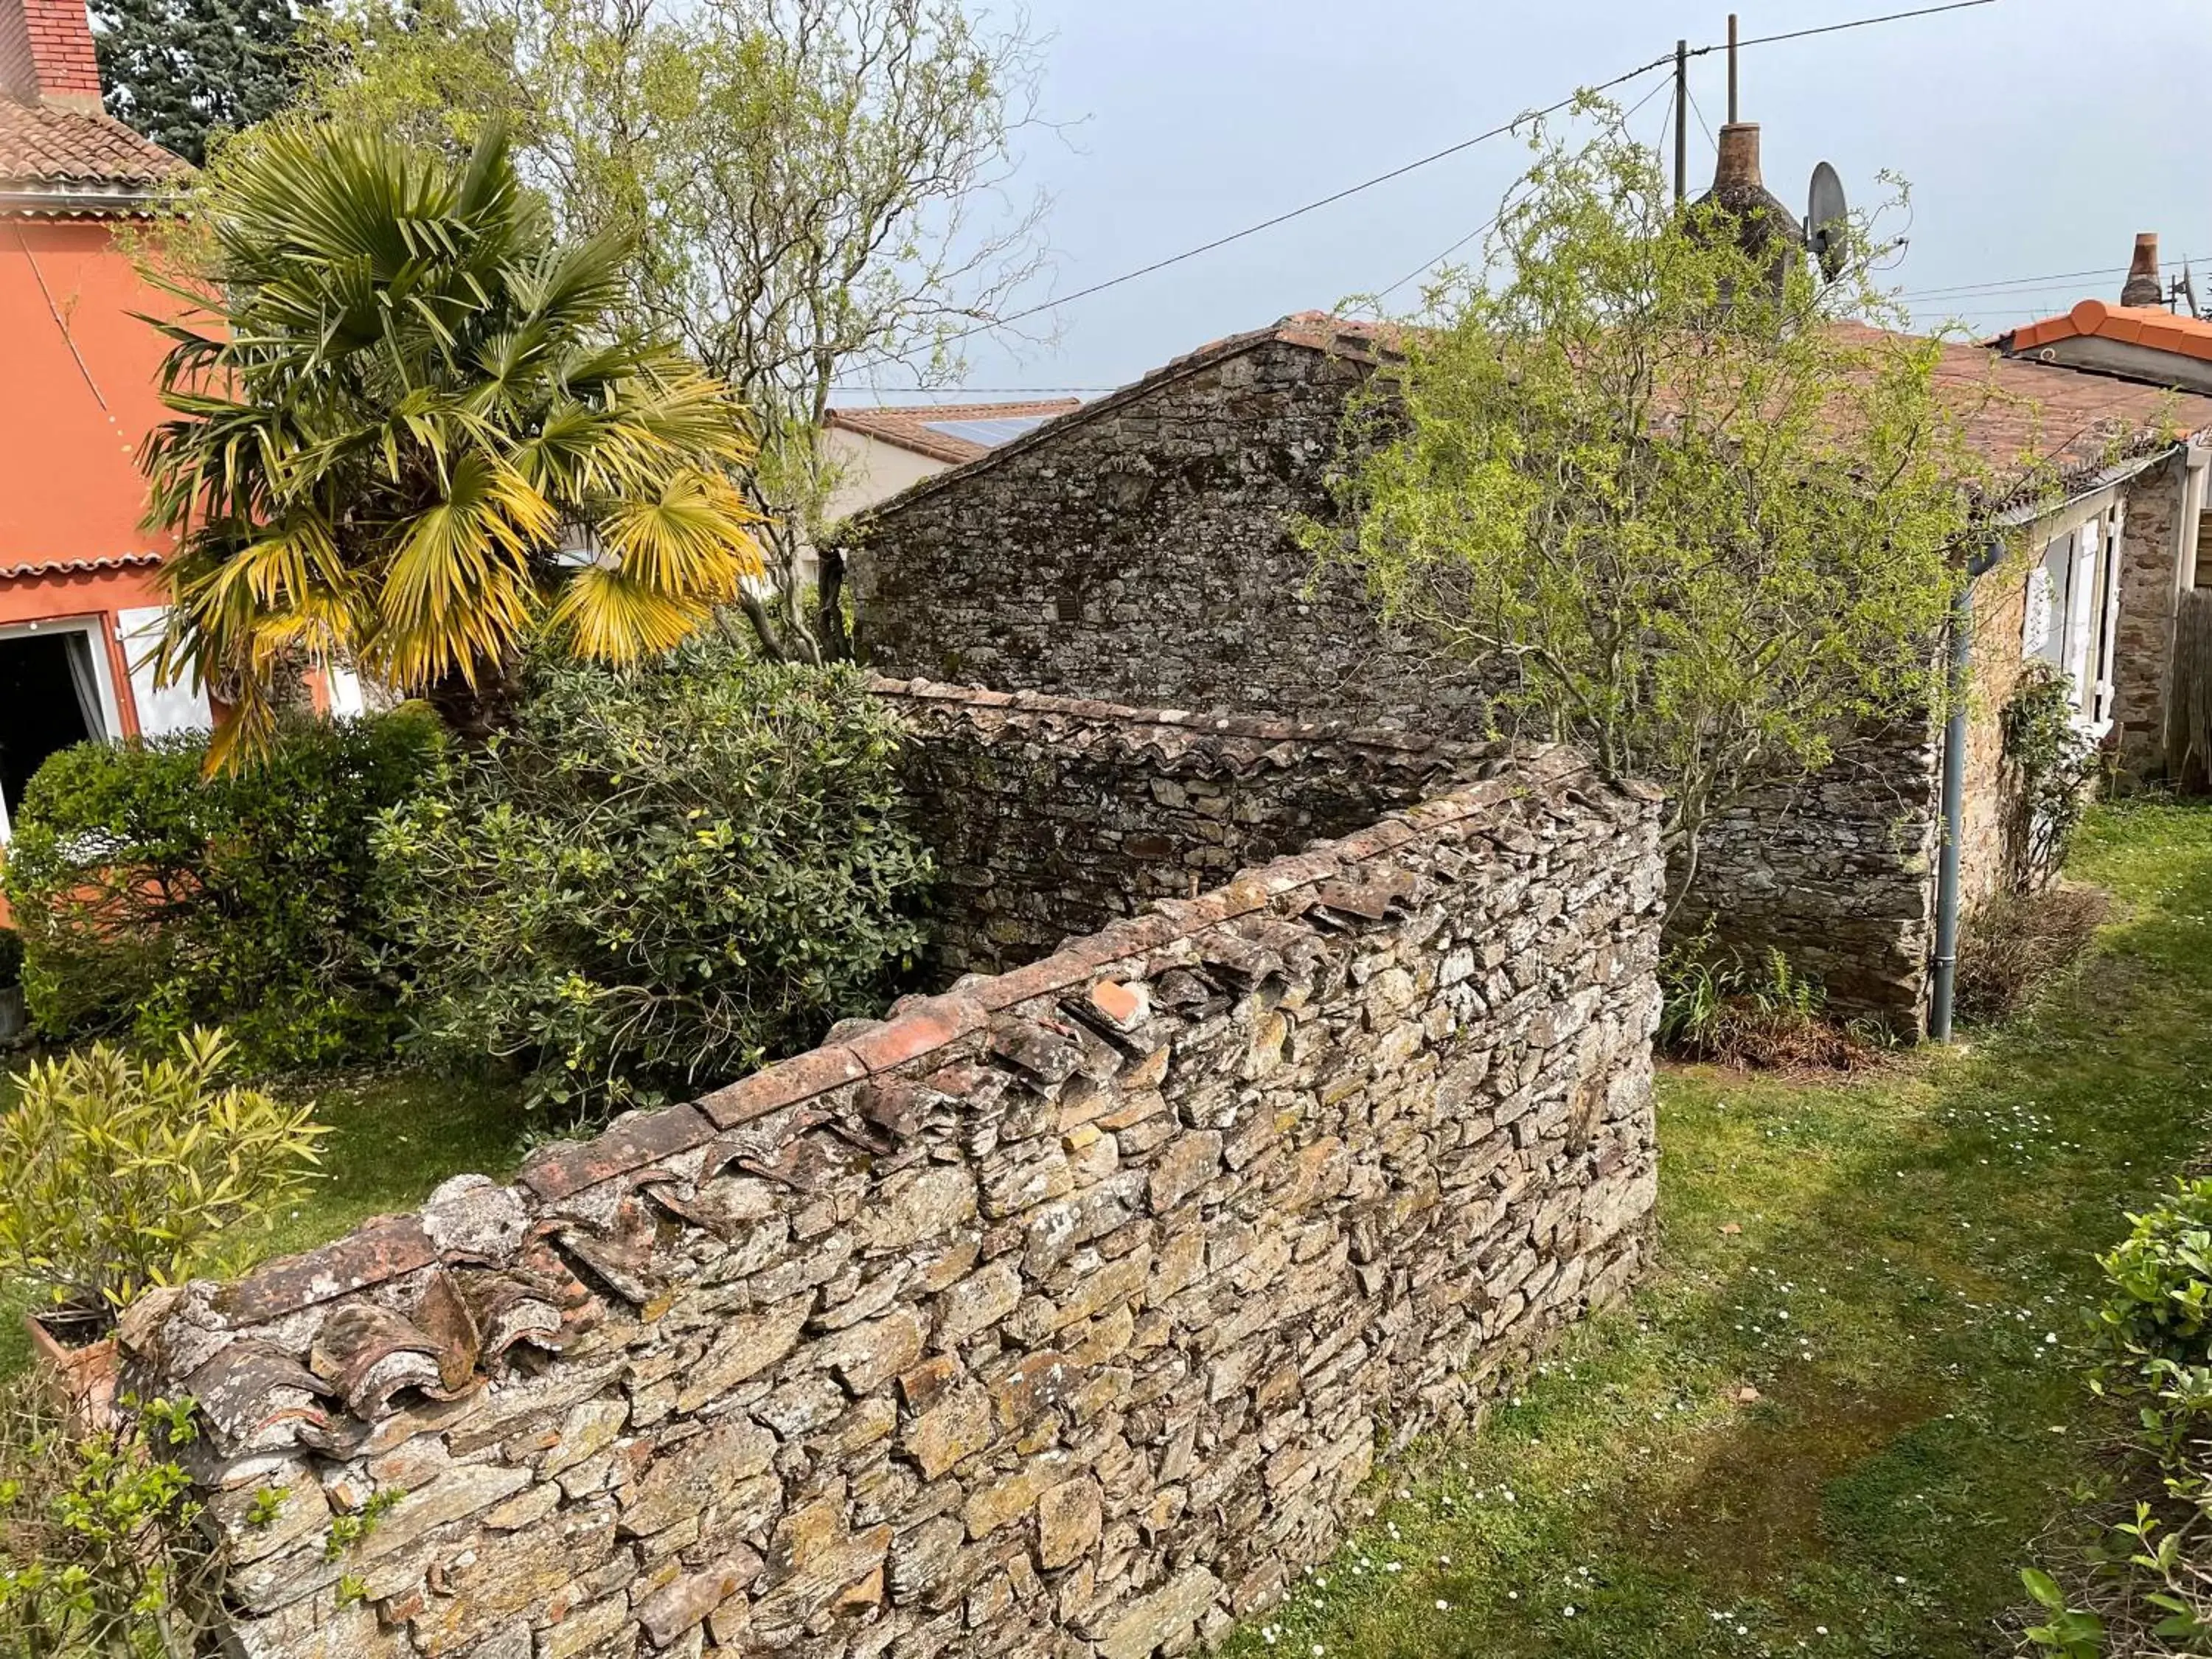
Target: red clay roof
[(2152, 327), (2017, 413), (909, 427), (2016, 410), (45, 148)]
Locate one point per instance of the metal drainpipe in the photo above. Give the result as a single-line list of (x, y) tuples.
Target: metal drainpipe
[(1954, 795)]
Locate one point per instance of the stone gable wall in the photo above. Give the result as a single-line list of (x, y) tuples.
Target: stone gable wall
[(1051, 817), (1057, 1316), (1145, 555)]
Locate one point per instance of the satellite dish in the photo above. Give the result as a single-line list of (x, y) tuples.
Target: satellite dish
[(1827, 220), (2189, 290)]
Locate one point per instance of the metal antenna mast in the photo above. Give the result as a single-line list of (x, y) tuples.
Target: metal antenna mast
[(1732, 115)]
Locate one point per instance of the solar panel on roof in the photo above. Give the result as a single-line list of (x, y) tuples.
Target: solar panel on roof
[(990, 433)]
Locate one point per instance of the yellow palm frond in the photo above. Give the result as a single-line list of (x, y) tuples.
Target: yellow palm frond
[(606, 616), (691, 537)]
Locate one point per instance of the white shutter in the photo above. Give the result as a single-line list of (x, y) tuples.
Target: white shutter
[(162, 709)]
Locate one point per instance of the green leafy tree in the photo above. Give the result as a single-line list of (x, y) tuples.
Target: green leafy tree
[(658, 878), (182, 71), (818, 190), (415, 436), (1666, 487)]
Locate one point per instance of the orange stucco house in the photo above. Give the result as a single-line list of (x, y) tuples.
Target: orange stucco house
[(80, 582)]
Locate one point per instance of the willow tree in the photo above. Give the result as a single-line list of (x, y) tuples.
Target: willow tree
[(409, 434), (1650, 470)]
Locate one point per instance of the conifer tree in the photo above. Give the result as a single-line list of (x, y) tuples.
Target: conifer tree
[(180, 70)]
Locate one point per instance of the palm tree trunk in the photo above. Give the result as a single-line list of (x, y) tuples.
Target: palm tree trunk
[(473, 713)]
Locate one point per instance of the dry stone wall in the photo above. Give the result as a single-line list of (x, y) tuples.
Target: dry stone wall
[(1057, 1316), (1051, 817), (1144, 551), (1838, 874)]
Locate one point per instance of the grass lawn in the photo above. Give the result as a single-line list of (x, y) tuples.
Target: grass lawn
[(1841, 1428), (393, 1137)]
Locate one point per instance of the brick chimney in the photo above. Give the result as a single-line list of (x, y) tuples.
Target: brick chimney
[(2143, 286), (46, 56)]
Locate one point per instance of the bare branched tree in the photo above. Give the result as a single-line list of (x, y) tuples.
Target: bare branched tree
[(822, 192)]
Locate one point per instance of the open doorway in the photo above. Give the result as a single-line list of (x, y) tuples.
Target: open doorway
[(52, 693)]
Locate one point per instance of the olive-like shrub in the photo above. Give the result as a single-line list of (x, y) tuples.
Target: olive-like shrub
[(118, 1173), (657, 877)]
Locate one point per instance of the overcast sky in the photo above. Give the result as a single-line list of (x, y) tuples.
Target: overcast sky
[(2038, 137)]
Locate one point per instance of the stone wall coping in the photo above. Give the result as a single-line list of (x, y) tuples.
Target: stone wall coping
[(978, 701), (387, 1247)]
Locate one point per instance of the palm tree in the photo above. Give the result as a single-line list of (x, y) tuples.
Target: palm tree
[(406, 435)]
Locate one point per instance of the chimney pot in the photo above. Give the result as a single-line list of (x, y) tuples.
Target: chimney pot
[(2143, 287), (1737, 169)]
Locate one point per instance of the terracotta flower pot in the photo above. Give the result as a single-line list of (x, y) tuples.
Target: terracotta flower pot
[(84, 1377)]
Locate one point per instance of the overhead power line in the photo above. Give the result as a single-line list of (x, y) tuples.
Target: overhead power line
[(1432, 263), (1501, 130), (2000, 287), (1855, 23)]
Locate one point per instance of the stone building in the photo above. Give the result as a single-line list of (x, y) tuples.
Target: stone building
[(2139, 341), (1064, 1313), (1141, 548)]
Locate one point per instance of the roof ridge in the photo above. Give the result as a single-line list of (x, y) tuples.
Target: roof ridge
[(1311, 330)]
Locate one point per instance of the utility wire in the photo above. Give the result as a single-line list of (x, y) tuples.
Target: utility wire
[(1553, 108), (1300, 212), (2019, 284), (1697, 111), (1431, 264), (1855, 23)]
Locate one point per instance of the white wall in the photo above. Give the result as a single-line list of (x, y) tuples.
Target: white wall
[(870, 471)]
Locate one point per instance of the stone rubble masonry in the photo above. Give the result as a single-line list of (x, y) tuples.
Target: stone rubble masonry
[(1051, 817), (1144, 551), (2150, 590), (1060, 1316)]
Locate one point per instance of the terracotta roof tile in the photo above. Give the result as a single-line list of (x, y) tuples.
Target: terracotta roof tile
[(910, 427), (73, 567), (44, 148), (2017, 412), (2151, 326)]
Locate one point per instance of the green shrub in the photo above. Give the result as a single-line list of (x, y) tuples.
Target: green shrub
[(2144, 1587), (2052, 759), (101, 1554), (151, 897), (116, 1174), (1717, 1007), (660, 877), (2159, 1305)]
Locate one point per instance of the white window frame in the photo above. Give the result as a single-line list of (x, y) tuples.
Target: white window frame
[(2084, 600), (95, 628)]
